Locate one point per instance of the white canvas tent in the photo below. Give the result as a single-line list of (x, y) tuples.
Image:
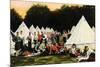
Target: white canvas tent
[(25, 31), (47, 29), (82, 34), (93, 28), (73, 27), (38, 29), (32, 29), (42, 29), (52, 30)]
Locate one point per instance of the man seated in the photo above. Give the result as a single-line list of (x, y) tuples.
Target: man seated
[(73, 51), (42, 46), (85, 53), (91, 58), (53, 49)]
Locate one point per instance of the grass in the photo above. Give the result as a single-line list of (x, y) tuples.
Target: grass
[(40, 60)]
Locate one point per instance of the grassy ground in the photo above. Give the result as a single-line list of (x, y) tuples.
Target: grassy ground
[(40, 60)]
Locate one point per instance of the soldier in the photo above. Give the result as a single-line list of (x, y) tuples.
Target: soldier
[(29, 38), (22, 40), (17, 43)]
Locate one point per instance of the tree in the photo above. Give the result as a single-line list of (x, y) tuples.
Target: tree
[(15, 20), (89, 13), (37, 15), (66, 17), (59, 19)]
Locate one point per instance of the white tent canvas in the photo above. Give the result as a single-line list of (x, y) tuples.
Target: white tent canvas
[(73, 28), (47, 29), (52, 30), (42, 29), (32, 29), (24, 29), (38, 29), (82, 34), (93, 28)]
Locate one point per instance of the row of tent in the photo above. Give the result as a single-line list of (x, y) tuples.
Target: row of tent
[(26, 31), (32, 29), (82, 33)]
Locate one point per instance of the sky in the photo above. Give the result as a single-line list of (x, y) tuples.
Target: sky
[(22, 7)]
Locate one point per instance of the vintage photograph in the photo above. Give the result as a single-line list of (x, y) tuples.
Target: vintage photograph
[(44, 33)]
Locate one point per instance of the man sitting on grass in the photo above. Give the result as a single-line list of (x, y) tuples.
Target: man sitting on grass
[(74, 51), (86, 53)]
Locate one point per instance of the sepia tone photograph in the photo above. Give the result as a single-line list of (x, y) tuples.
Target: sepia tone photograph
[(43, 33)]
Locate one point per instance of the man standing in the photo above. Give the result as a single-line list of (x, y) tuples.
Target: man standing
[(29, 38), (17, 43), (35, 37), (22, 40)]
